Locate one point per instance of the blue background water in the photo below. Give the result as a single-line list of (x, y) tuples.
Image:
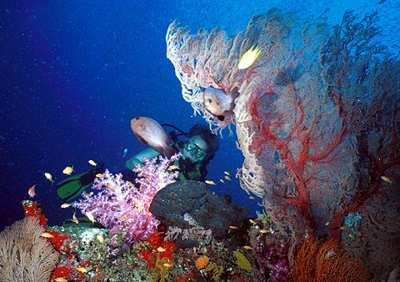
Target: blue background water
[(73, 73)]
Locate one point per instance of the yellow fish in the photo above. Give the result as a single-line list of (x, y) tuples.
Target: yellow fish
[(249, 57), (264, 231), (386, 179), (92, 162), (65, 205), (227, 177), (100, 238), (161, 249), (47, 235), (74, 219), (68, 170), (247, 247), (227, 173), (233, 227), (90, 217), (210, 182), (49, 177), (99, 175), (32, 191), (221, 180), (60, 279), (167, 265)]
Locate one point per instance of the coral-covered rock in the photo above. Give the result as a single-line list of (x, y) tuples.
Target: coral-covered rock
[(188, 203)]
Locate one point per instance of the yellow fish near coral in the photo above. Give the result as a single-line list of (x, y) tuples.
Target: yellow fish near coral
[(68, 170), (249, 57), (60, 279)]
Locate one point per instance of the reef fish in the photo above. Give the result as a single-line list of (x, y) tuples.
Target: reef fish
[(49, 177), (92, 162), (151, 133), (249, 57), (75, 219), (124, 153), (386, 179), (216, 101), (46, 235), (82, 269), (210, 182), (32, 191), (68, 170), (60, 279), (65, 205)]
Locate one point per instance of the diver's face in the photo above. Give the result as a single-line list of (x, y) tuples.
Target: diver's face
[(195, 149)]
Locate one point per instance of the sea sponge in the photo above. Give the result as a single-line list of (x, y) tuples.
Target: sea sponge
[(24, 254), (201, 262)]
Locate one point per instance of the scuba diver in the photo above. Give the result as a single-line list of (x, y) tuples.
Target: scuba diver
[(197, 147)]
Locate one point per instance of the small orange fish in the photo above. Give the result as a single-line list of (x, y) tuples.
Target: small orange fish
[(32, 191), (60, 279), (247, 247), (264, 231)]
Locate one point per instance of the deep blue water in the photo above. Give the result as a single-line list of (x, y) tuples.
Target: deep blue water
[(73, 73)]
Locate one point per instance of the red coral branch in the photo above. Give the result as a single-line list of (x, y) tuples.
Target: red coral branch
[(305, 137)]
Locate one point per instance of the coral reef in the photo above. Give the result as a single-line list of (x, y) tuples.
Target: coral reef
[(123, 207), (24, 254), (317, 118)]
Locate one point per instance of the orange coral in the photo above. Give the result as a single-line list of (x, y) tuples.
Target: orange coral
[(201, 262), (327, 261)]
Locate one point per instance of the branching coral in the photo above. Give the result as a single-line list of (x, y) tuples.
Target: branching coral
[(24, 254), (121, 206)]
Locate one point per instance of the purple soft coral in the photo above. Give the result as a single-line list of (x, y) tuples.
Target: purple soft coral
[(123, 207)]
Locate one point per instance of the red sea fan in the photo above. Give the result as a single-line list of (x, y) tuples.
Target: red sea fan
[(123, 207)]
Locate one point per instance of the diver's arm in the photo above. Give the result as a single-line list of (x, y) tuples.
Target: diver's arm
[(139, 158)]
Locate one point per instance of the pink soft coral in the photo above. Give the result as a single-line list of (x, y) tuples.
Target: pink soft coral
[(123, 207)]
